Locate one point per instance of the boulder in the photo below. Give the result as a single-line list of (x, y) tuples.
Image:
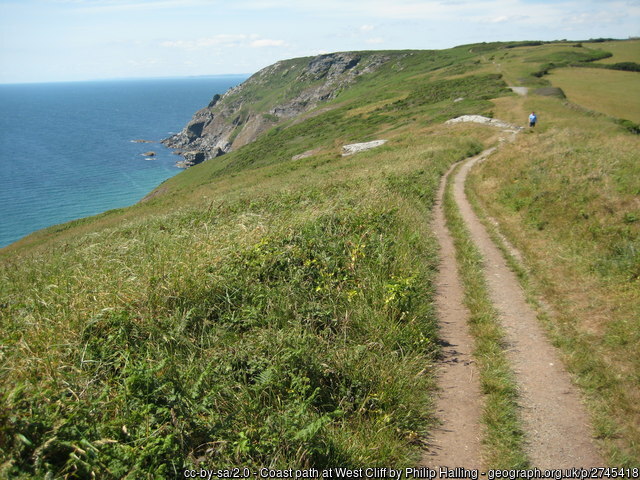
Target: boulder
[(361, 147), (191, 158)]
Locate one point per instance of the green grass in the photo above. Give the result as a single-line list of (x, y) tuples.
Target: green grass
[(284, 318), (626, 51), (263, 311), (504, 436), (244, 358), (566, 196), (615, 93), (528, 65)]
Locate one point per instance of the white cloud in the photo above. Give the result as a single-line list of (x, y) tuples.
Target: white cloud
[(542, 13), (589, 18), (100, 6), (266, 42), (144, 63), (225, 40), (376, 40), (500, 19)]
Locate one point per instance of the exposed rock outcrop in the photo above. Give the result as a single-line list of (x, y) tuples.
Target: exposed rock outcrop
[(361, 147), (485, 121), (276, 93), (190, 159)]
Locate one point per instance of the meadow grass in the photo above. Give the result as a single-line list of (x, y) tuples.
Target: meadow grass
[(566, 196), (612, 92), (281, 318), (265, 311), (528, 65), (627, 51)]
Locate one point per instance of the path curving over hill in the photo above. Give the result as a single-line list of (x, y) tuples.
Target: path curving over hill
[(556, 424)]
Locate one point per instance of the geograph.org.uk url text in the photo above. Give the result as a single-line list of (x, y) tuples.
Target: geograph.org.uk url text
[(421, 472), (560, 474)]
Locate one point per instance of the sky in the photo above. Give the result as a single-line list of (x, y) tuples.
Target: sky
[(77, 40)]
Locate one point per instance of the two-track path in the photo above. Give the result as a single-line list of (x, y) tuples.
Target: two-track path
[(558, 432)]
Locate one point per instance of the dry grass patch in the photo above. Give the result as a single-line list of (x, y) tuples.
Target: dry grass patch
[(627, 51), (512, 110), (612, 92)]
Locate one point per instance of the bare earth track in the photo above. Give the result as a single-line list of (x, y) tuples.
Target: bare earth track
[(457, 441), (554, 419)]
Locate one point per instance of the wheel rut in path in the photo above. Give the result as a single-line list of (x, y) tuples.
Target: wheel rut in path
[(556, 424), (456, 442)]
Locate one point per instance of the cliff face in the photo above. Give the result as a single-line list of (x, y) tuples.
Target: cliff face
[(276, 93)]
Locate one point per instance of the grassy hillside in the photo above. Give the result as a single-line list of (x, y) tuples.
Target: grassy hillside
[(628, 51), (258, 311), (612, 92), (567, 196), (264, 311)]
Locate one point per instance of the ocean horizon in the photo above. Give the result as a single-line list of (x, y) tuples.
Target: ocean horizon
[(69, 150)]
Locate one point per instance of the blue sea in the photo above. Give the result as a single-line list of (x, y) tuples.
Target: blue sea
[(67, 150)]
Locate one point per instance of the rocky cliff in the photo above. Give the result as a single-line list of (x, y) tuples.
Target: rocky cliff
[(274, 94)]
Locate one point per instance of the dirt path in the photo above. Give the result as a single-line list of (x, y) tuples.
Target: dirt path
[(456, 442), (554, 418), (520, 90)]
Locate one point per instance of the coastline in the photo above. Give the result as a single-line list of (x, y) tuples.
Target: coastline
[(85, 159)]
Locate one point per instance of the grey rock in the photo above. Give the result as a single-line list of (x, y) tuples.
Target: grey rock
[(191, 158), (484, 121), (361, 147), (228, 122)]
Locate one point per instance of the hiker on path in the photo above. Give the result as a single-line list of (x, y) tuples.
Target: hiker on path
[(533, 119)]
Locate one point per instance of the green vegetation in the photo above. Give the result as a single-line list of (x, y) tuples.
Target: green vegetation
[(624, 66), (566, 58), (504, 439), (612, 92), (627, 51), (283, 319), (259, 310), (277, 352), (529, 65), (566, 196)]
